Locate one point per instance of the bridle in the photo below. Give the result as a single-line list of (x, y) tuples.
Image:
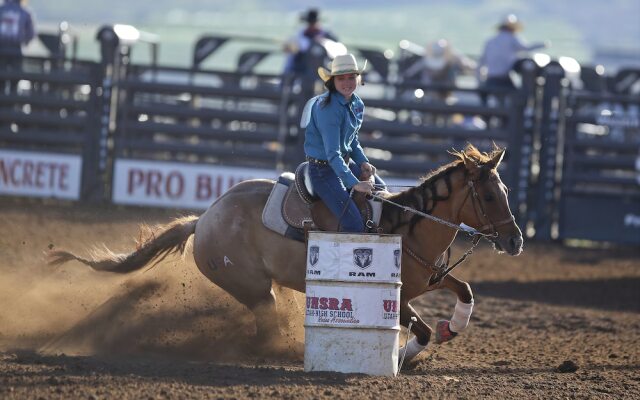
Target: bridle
[(479, 210)]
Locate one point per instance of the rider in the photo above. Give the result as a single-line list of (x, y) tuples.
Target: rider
[(331, 145)]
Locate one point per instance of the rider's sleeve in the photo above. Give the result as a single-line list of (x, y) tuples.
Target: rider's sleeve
[(329, 121), (357, 153)]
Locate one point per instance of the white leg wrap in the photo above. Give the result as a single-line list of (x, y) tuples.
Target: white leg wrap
[(413, 349), (461, 315)]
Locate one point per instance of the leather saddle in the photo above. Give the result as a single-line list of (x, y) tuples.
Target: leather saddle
[(302, 209)]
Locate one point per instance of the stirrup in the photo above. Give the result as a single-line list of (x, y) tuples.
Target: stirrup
[(443, 333)]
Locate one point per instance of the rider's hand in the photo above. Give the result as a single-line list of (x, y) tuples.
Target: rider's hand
[(364, 187), (366, 167), (367, 171)]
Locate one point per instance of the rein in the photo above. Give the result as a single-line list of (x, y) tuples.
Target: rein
[(463, 228)]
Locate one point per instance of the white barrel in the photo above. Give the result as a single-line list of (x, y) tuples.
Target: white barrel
[(352, 321)]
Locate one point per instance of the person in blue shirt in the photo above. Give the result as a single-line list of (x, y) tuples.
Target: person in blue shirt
[(299, 46), (16, 30), (331, 145)]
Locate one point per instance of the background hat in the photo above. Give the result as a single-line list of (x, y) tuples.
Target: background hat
[(437, 54), (511, 22), (311, 16), (341, 65)]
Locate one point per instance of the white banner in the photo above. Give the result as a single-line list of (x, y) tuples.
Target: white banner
[(177, 185), (353, 257), (395, 185), (40, 174), (372, 306)]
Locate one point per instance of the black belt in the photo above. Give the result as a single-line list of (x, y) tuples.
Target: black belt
[(324, 162), (317, 161)]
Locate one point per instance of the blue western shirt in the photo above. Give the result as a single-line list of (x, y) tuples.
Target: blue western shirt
[(16, 28), (332, 134)]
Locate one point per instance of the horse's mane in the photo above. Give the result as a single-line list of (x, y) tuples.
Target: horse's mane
[(470, 152), (419, 196)]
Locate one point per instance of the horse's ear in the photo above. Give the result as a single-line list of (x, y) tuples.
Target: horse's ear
[(471, 166), (495, 161)]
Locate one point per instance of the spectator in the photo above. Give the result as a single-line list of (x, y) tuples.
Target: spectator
[(501, 52), (16, 30), (440, 65), (299, 45)]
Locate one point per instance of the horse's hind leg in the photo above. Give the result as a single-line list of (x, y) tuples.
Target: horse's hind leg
[(265, 312), (447, 330), (255, 292), (270, 339)]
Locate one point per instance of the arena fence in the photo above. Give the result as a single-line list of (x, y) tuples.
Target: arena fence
[(179, 137), (599, 196), (48, 121)]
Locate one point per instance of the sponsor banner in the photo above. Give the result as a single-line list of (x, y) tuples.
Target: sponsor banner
[(352, 306), (354, 257), (176, 185), (399, 184), (40, 174)]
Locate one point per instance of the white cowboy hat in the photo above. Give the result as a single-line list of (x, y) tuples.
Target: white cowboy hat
[(341, 65), (511, 22)]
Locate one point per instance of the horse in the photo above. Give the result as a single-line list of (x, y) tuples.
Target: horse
[(233, 249)]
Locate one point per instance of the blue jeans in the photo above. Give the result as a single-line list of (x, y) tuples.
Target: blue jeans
[(335, 195)]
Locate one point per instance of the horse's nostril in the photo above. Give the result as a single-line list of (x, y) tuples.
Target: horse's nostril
[(515, 243)]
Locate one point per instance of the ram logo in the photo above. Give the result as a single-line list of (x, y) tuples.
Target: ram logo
[(314, 255), (396, 258), (363, 257)]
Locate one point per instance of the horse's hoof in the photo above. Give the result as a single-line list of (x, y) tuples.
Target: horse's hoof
[(443, 333), (411, 365)]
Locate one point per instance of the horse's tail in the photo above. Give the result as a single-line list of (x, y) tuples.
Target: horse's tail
[(164, 240)]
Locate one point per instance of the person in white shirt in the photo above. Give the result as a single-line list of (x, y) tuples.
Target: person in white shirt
[(501, 52)]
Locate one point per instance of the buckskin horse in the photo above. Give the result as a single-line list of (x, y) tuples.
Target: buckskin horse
[(235, 251)]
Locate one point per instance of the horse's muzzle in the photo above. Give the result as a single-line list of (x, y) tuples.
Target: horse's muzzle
[(511, 245)]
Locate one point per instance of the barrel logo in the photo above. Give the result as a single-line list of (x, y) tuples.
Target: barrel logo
[(314, 255), (363, 257), (396, 258)]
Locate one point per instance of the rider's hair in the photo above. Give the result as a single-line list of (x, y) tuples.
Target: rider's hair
[(330, 84)]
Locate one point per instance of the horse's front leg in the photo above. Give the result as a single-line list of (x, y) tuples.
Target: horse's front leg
[(419, 328), (447, 330)]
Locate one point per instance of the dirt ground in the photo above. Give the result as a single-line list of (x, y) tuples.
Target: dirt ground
[(168, 333)]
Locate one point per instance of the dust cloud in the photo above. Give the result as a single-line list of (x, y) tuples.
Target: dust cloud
[(169, 310)]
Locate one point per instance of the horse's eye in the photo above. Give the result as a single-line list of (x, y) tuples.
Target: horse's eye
[(488, 197)]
